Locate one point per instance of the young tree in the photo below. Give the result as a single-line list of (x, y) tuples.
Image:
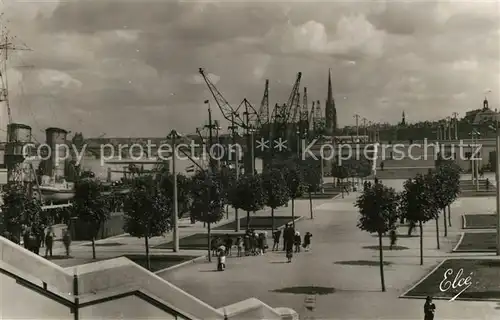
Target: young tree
[(208, 201), (147, 211), (450, 172), (227, 179), (378, 206), (275, 190), (311, 171), (295, 181), (91, 206), (416, 205), (248, 195), (183, 191)]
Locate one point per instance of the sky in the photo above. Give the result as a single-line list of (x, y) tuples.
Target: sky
[(130, 68)]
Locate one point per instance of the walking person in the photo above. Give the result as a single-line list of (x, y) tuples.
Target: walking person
[(394, 237), (429, 309), (239, 246), (285, 231), (276, 239), (307, 241), (49, 242), (66, 238), (487, 184), (411, 228), (382, 166), (297, 241), (228, 241)]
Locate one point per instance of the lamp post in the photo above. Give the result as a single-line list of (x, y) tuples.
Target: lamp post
[(174, 135), (234, 134)]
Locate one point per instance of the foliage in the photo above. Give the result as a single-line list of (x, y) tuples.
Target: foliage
[(361, 168), (87, 174), (311, 172), (20, 209), (90, 205), (294, 177), (416, 202), (183, 191), (147, 210), (248, 194), (208, 198), (446, 186), (227, 180), (378, 206), (340, 171), (275, 188)]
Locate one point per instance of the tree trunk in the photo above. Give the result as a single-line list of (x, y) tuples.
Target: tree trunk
[(93, 248), (272, 220), (293, 213), (449, 215), (311, 205), (237, 220), (437, 232), (146, 243), (421, 228), (227, 211), (445, 223), (209, 243), (248, 220), (381, 255)]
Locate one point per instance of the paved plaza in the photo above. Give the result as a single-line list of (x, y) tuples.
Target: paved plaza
[(342, 257)]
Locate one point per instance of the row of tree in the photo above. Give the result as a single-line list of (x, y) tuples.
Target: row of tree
[(148, 205), (422, 200)]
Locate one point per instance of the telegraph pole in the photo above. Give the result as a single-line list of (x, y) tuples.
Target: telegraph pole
[(234, 134), (357, 116), (365, 128), (210, 137), (174, 136), (455, 117)]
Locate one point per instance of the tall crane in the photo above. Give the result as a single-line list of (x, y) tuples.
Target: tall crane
[(264, 105), (284, 115), (229, 113), (304, 115)]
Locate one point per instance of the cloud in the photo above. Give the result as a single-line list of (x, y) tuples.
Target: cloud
[(131, 68)]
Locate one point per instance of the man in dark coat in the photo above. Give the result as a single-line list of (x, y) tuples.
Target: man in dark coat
[(429, 309)]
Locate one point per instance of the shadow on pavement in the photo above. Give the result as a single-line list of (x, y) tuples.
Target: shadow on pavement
[(365, 263), (388, 248), (306, 290)]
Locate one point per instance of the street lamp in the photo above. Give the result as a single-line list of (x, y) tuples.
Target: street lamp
[(475, 162), (174, 135)]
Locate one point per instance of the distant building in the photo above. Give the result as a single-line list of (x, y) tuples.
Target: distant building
[(485, 114), (331, 125)]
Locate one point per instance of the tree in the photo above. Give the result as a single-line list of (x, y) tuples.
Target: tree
[(248, 194), (183, 191), (91, 206), (378, 206), (275, 190), (417, 204), (208, 201), (227, 179), (147, 211), (295, 181), (20, 209), (446, 187), (311, 171)]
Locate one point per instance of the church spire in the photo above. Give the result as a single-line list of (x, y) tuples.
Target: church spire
[(403, 119), (330, 91)]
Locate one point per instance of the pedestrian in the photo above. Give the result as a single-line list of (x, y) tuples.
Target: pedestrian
[(487, 184), (246, 244), (297, 241), (221, 259), (239, 246), (394, 237), (307, 241), (49, 242), (41, 234), (285, 232), (411, 228), (228, 241), (214, 244), (66, 238), (276, 239), (429, 309), (382, 166)]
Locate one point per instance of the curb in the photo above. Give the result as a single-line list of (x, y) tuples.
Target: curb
[(404, 295), (455, 248), (180, 264)]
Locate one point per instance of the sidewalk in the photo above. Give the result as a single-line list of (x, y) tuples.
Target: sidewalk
[(336, 244)]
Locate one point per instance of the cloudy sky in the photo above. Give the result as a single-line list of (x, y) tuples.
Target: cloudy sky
[(129, 68)]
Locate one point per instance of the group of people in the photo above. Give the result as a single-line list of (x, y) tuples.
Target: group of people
[(292, 241), (33, 240)]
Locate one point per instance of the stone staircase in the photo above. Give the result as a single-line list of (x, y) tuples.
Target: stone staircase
[(401, 173), (468, 189)]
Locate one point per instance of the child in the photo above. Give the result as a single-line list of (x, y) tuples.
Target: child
[(221, 259), (307, 241), (297, 241), (393, 237)]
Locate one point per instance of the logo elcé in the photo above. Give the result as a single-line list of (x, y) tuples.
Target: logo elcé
[(457, 283)]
